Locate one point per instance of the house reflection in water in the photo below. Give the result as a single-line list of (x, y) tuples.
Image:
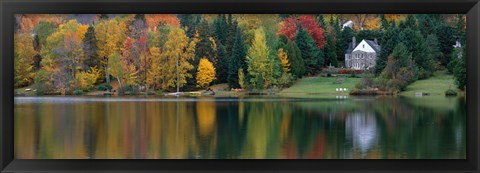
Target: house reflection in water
[(361, 133)]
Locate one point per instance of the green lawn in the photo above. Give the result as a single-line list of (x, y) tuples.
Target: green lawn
[(435, 85), (319, 86)]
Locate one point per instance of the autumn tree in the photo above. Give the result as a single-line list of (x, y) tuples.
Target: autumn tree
[(62, 54), (284, 60), (23, 56), (155, 71), (259, 67), (43, 31), (205, 47), (205, 73), (110, 36), (153, 21), (124, 72), (307, 22), (179, 49), (86, 79)]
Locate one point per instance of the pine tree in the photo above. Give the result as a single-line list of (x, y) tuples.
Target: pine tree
[(237, 60), (295, 58), (104, 17), (311, 55), (345, 38), (390, 40), (446, 38), (90, 48), (434, 46), (460, 28), (330, 52), (222, 65), (384, 25), (221, 28)]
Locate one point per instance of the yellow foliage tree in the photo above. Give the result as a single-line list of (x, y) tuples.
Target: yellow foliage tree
[(177, 48), (110, 36), (24, 54), (205, 73), (85, 80), (126, 73), (155, 70), (241, 78), (284, 60)]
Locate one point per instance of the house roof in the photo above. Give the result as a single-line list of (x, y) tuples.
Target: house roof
[(371, 43), (374, 45)]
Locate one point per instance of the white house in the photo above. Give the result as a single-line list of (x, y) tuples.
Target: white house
[(362, 56)]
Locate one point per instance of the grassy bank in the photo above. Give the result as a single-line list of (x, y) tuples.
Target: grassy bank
[(320, 86), (434, 86)]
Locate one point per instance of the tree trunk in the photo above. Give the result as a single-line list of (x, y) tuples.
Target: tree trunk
[(120, 89), (107, 76)]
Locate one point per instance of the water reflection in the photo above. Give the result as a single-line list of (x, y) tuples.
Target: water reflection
[(250, 128), (361, 131)]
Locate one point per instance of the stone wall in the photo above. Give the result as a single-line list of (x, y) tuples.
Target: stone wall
[(360, 60)]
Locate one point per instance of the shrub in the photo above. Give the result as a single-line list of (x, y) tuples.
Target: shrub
[(286, 80), (78, 92), (329, 74), (450, 92), (103, 87), (350, 71)]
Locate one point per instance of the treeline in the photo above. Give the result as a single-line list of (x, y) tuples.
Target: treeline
[(416, 48), (59, 54)]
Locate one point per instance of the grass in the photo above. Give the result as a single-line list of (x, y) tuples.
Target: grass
[(435, 85), (316, 86)]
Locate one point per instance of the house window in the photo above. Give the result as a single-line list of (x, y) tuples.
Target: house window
[(363, 46)]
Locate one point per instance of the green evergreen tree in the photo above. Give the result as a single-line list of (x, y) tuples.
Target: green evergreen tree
[(446, 38), (311, 54), (345, 38), (433, 44), (90, 49), (237, 60), (221, 32), (295, 59), (384, 25), (390, 40), (222, 65), (330, 52)]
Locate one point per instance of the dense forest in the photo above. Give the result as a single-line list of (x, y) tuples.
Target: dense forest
[(149, 53)]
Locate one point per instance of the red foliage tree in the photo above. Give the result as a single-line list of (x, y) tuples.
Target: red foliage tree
[(309, 23)]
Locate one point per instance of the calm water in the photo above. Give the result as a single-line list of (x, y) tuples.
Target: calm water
[(230, 128)]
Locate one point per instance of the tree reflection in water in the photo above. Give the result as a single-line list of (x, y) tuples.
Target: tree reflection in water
[(249, 128)]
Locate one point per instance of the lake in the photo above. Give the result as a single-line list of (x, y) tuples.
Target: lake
[(240, 128)]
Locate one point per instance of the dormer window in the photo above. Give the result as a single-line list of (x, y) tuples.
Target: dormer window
[(363, 46)]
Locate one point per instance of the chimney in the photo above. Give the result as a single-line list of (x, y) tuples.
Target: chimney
[(354, 42), (376, 41)]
